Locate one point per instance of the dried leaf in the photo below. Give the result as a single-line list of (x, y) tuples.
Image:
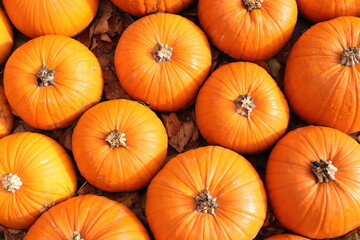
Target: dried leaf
[(105, 10), (84, 37), (171, 123), (356, 136), (127, 198), (66, 139), (183, 136), (14, 234), (105, 37), (263, 65), (109, 76), (21, 126), (274, 67), (115, 24), (113, 90), (88, 189), (103, 60)]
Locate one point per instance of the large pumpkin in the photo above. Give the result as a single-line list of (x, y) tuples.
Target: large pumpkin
[(248, 29), (286, 236), (35, 174), (166, 64), (35, 18), (6, 37), (313, 179), (119, 145), (206, 193), (6, 117), (88, 217), (50, 81), (322, 77), (241, 107)]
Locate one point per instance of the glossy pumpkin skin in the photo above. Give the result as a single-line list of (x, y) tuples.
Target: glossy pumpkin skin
[(170, 205), (143, 7), (324, 210), (46, 172), (122, 168), (168, 85), (36, 18), (255, 35), (326, 92), (94, 217), (78, 81), (286, 237), (216, 111), (6, 117), (6, 37)]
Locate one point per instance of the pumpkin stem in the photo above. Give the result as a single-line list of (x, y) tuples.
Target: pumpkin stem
[(252, 4), (45, 76), (76, 236), (244, 105), (350, 56), (324, 170), (11, 182), (162, 53), (116, 139), (205, 203)]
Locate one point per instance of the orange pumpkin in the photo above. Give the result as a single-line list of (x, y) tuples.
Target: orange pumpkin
[(50, 81), (206, 193), (312, 179), (248, 29), (166, 64), (241, 107), (6, 117), (6, 37), (327, 90), (36, 18), (119, 145), (286, 237), (88, 217), (35, 174)]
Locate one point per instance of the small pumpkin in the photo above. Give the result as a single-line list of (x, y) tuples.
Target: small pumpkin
[(6, 37), (248, 29), (241, 107), (206, 193), (312, 180), (35, 174), (6, 117), (88, 217), (51, 80), (167, 63), (36, 18), (327, 90), (119, 145), (286, 236)]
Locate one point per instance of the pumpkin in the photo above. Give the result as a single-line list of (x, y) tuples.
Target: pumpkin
[(35, 174), (119, 145), (286, 236), (143, 7), (248, 29), (6, 117), (327, 90), (206, 193), (51, 80), (36, 18), (167, 63), (88, 217), (6, 37), (312, 179), (240, 107)]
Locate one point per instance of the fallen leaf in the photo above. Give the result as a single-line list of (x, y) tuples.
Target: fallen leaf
[(21, 126), (14, 234), (126, 198), (115, 24), (104, 61), (183, 136), (105, 10), (109, 76), (355, 135), (274, 67), (66, 139), (264, 65), (171, 123), (113, 90)]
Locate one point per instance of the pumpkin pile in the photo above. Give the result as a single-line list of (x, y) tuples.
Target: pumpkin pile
[(209, 119)]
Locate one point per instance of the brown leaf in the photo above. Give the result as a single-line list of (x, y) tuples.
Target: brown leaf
[(183, 136), (109, 76), (113, 90), (126, 198), (88, 189), (355, 135), (274, 67), (105, 37), (65, 139), (103, 60), (105, 10), (171, 123), (14, 234), (84, 37), (21, 126), (115, 24), (263, 65)]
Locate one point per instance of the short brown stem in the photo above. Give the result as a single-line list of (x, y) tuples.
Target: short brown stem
[(252, 4), (162, 53), (11, 182), (76, 236), (244, 105), (205, 203), (116, 139), (350, 56), (45, 76), (324, 170)]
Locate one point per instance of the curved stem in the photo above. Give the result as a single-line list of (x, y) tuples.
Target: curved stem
[(116, 139), (252, 4), (205, 203), (324, 170), (11, 182), (244, 105), (45, 76), (350, 56), (162, 53)]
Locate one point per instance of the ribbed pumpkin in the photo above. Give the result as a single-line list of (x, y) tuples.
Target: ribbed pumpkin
[(322, 75), (36, 18), (35, 174), (286, 237), (50, 81), (241, 107), (119, 145), (312, 179), (6, 37), (206, 193), (6, 117), (166, 64), (248, 29), (88, 217)]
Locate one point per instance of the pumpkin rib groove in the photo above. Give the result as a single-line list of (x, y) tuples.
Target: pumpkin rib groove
[(221, 226), (275, 24)]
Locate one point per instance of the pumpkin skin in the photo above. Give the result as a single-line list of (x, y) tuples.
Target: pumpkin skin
[(47, 174), (119, 168), (316, 210), (167, 85), (286, 237), (170, 205), (217, 113), (6, 37), (255, 35), (94, 217), (6, 117), (78, 81), (36, 18), (325, 93)]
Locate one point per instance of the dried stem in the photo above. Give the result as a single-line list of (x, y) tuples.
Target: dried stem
[(350, 56), (45, 76), (76, 236), (11, 182), (162, 53), (205, 203), (244, 105), (324, 170), (116, 139), (252, 4)]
